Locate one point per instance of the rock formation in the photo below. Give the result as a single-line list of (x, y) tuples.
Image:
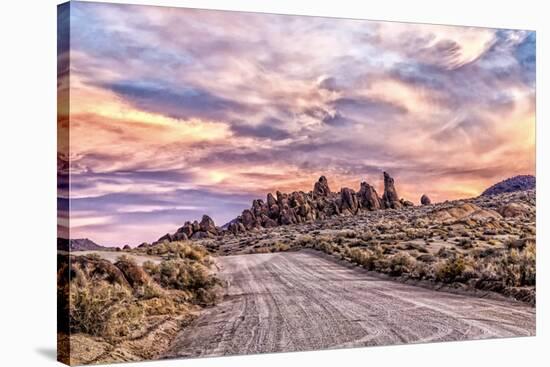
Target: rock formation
[(368, 197), (195, 230), (321, 187), (348, 201), (425, 200), (390, 197), (296, 207)]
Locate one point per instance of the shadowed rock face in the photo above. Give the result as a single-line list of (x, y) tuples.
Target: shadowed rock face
[(390, 197)]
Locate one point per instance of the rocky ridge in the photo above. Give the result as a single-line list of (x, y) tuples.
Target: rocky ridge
[(295, 208)]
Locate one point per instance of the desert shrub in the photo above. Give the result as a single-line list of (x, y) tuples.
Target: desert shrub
[(518, 267), (104, 309), (280, 247), (260, 250), (368, 258), (324, 246), (400, 263), (180, 250), (450, 269), (305, 241), (185, 275), (149, 290), (421, 270), (357, 255)]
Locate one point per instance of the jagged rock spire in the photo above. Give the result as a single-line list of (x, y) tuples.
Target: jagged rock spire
[(390, 197)]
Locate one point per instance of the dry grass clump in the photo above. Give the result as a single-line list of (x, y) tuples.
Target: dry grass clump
[(191, 277), (180, 250), (273, 247), (451, 269), (104, 309)]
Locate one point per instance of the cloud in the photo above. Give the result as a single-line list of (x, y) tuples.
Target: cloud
[(180, 102), (180, 112), (267, 129)]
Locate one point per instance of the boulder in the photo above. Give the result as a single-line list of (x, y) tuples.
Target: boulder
[(516, 210), (463, 211), (187, 228), (425, 200), (207, 225)]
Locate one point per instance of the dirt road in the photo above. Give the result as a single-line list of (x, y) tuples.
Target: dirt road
[(301, 301)]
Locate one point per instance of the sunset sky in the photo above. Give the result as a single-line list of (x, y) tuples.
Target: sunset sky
[(177, 112)]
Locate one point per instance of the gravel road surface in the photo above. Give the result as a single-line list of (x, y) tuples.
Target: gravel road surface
[(297, 301)]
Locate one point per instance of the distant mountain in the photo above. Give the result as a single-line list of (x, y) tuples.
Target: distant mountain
[(516, 183), (78, 244)]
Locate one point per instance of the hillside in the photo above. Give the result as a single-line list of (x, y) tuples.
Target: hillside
[(516, 183)]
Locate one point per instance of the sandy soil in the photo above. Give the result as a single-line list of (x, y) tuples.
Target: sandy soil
[(301, 301)]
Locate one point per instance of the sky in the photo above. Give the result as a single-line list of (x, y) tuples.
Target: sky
[(174, 113)]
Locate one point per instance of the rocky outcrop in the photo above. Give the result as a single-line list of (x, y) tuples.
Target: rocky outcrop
[(425, 200), (193, 230), (296, 207), (207, 225), (390, 197)]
